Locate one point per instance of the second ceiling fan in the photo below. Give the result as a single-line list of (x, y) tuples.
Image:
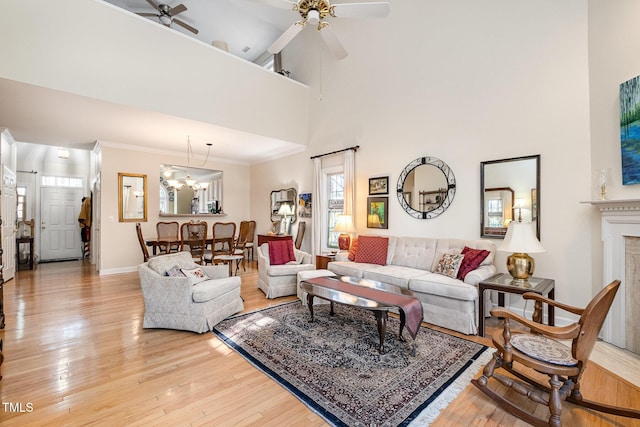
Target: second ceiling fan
[(315, 11), (167, 13)]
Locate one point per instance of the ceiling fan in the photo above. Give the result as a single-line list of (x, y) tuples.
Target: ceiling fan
[(315, 11), (166, 15)]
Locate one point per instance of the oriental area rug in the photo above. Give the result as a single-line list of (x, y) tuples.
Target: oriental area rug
[(333, 365)]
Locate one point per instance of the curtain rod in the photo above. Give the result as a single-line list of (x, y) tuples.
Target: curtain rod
[(354, 148)]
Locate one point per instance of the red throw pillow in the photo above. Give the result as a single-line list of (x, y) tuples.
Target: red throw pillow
[(281, 252), (372, 250), (472, 260), (353, 250)]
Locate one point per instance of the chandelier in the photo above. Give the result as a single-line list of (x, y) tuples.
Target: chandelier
[(188, 181)]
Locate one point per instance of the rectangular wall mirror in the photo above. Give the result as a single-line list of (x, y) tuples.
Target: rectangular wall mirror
[(132, 197), (190, 191), (509, 191)]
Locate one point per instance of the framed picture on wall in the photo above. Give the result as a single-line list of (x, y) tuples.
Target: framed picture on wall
[(379, 185), (377, 212), (304, 205)]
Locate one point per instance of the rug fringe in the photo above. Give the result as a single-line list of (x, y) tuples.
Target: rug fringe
[(429, 415)]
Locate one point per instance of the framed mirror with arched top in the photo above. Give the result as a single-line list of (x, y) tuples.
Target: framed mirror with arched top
[(509, 191), (426, 187)]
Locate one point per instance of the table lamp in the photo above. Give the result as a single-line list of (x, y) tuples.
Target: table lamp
[(344, 226), (284, 210), (521, 240)]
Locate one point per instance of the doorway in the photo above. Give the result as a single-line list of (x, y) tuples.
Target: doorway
[(59, 230)]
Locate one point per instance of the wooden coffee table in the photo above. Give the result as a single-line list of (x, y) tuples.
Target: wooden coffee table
[(321, 287)]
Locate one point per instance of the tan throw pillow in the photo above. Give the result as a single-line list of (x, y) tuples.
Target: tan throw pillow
[(449, 265), (197, 274)]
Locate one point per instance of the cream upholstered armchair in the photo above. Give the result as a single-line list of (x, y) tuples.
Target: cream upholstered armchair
[(187, 303), (281, 280)]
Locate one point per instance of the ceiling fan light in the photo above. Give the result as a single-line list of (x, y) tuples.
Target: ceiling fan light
[(165, 20), (313, 16)]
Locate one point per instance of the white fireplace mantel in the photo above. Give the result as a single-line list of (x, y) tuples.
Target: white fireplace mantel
[(620, 219)]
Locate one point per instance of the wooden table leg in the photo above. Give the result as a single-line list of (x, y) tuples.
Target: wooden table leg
[(381, 318)]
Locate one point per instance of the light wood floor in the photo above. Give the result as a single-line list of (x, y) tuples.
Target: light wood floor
[(76, 354)]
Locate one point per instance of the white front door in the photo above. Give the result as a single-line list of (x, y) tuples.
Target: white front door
[(59, 229), (9, 200)]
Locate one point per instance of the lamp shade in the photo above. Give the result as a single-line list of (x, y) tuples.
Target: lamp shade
[(521, 238), (344, 225), (285, 210)]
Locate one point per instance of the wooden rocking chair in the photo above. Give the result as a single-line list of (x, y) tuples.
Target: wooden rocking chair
[(540, 351)]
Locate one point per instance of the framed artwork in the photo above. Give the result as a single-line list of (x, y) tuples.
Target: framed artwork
[(304, 205), (629, 126), (377, 212), (379, 185)]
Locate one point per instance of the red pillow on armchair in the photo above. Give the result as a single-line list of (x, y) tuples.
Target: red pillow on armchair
[(281, 252)]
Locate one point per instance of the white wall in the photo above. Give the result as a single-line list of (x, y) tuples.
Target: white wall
[(466, 82), (119, 248), (613, 36)]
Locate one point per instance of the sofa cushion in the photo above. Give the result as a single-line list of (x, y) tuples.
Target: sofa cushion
[(449, 265), (392, 274), (445, 286), (163, 263), (472, 260), (372, 250), (288, 269), (281, 252), (347, 268), (415, 252), (213, 288)]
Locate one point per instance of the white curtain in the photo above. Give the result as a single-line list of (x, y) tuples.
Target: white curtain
[(349, 184), (316, 208)]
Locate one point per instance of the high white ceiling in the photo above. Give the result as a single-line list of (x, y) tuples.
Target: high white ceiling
[(247, 26)]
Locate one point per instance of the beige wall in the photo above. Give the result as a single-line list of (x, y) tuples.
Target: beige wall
[(466, 82), (119, 249)]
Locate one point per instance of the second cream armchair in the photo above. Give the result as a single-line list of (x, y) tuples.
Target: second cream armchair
[(281, 280)]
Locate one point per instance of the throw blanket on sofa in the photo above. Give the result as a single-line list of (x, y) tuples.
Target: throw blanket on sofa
[(411, 307)]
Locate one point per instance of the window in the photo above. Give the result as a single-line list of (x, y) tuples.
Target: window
[(494, 212), (335, 196), (21, 203), (61, 181)]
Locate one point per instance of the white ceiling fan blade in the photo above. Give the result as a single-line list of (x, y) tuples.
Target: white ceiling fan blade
[(285, 38), (280, 4), (332, 42), (361, 10)]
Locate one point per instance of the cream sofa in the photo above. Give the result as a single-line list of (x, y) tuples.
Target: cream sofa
[(411, 262), (281, 280), (178, 303)]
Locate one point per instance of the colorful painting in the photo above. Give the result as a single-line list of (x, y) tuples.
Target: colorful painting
[(630, 130), (304, 205), (377, 208)]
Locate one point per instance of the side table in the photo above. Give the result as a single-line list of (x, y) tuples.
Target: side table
[(323, 260), (504, 283)]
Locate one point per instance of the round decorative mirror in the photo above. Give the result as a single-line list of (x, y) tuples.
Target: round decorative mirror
[(426, 187)]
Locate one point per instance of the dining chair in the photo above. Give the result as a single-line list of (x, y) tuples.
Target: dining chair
[(168, 230), (193, 236), (143, 245), (222, 243), (250, 239), (301, 228)]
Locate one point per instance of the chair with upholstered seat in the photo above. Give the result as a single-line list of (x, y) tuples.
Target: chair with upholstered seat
[(193, 237), (539, 349), (223, 238), (168, 230), (300, 236)]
